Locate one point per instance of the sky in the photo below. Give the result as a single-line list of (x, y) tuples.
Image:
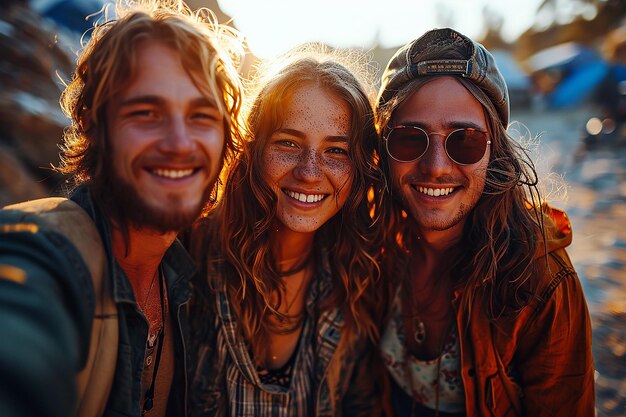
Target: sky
[(273, 26)]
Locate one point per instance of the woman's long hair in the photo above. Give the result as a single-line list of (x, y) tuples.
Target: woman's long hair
[(238, 242), (503, 231)]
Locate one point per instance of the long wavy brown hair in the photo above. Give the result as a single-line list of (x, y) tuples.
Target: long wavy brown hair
[(503, 231), (209, 52), (236, 237)]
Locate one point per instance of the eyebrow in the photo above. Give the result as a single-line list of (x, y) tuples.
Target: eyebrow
[(337, 139), (301, 135), (203, 102), (291, 132), (452, 125), (159, 101), (141, 100)]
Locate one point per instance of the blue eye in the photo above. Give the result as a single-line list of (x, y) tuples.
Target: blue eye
[(338, 151)]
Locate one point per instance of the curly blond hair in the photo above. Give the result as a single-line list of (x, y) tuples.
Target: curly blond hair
[(210, 53)]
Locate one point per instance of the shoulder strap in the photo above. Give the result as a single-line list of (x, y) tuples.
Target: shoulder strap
[(95, 380)]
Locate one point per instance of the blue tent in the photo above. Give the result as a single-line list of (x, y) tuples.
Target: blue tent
[(71, 14), (581, 68)]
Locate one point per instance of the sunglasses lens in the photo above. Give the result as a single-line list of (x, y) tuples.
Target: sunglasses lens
[(466, 146), (406, 143)]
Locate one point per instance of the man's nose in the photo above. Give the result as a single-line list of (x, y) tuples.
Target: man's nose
[(435, 163), (177, 139)]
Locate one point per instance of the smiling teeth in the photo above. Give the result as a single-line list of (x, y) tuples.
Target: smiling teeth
[(172, 173), (436, 192), (311, 198)]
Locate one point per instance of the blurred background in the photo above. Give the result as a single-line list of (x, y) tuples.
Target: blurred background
[(564, 62)]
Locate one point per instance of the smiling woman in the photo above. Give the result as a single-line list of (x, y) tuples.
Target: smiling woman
[(290, 272), (306, 161)]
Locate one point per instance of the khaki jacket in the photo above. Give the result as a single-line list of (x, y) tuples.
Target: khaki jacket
[(537, 362)]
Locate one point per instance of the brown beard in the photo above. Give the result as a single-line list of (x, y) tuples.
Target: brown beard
[(121, 204)]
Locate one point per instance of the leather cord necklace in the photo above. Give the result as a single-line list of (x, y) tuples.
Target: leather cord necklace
[(290, 323), (416, 312), (298, 266), (423, 301), (409, 374), (145, 301), (148, 399), (418, 326)]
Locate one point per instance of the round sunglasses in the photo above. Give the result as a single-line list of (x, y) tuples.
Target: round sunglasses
[(463, 146)]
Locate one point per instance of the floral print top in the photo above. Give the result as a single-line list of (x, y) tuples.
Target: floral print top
[(418, 378)]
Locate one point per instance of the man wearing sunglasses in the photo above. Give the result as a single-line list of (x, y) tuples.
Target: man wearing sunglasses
[(489, 317)]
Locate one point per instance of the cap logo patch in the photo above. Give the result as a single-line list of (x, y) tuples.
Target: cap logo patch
[(444, 67)]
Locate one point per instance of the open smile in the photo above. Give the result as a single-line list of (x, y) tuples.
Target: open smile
[(304, 198), (173, 173), (434, 192)]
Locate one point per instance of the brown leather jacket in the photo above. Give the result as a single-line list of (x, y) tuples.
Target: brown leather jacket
[(538, 362)]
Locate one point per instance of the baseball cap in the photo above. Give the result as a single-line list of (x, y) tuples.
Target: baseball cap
[(478, 65)]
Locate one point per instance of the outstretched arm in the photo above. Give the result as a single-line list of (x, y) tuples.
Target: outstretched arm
[(45, 319)]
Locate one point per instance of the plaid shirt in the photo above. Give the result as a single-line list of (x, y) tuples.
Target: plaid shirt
[(248, 395), (238, 379)]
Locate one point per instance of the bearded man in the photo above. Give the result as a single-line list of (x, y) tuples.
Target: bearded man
[(154, 104)]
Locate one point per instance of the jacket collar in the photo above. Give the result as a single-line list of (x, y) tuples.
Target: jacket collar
[(558, 231), (178, 266)]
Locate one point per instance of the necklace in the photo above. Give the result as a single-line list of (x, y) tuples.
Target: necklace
[(420, 331), (298, 291), (145, 300), (437, 381), (416, 310), (290, 323), (293, 271), (154, 327), (297, 267), (436, 311), (416, 324)]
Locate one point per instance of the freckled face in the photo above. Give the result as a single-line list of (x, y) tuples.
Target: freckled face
[(306, 160), (437, 193)]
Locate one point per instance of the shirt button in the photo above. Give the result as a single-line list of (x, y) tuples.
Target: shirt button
[(148, 361)]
